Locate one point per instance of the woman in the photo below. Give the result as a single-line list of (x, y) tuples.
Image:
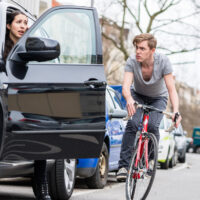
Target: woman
[(17, 25)]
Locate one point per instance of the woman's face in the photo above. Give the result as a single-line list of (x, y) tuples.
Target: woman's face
[(18, 27)]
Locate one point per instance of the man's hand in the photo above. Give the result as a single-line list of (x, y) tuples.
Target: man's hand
[(178, 119), (130, 106)]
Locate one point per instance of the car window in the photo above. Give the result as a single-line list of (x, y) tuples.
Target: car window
[(74, 30), (180, 129), (116, 100), (109, 102), (197, 132), (162, 124), (169, 123)]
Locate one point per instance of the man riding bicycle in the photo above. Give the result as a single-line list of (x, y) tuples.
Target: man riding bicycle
[(151, 75)]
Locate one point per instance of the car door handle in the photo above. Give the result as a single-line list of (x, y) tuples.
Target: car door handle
[(93, 83)]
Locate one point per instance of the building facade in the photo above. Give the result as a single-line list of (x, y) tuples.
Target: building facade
[(36, 7)]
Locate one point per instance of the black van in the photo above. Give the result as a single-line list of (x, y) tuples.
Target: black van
[(53, 85)]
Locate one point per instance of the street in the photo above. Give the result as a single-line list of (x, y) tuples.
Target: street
[(179, 183)]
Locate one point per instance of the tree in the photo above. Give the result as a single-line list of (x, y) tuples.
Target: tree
[(173, 22), (178, 31)]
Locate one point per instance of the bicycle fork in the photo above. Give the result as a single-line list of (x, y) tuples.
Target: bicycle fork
[(142, 147)]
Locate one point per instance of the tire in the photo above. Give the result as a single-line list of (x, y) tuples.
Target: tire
[(100, 177), (197, 150), (173, 161), (182, 159), (62, 179), (141, 191)]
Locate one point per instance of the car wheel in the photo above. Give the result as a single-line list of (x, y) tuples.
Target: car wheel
[(99, 179), (165, 165), (176, 157), (197, 150), (182, 159), (190, 150), (62, 179), (174, 160)]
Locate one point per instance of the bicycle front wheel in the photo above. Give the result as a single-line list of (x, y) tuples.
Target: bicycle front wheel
[(140, 179)]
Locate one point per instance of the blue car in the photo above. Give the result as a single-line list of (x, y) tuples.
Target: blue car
[(95, 170)]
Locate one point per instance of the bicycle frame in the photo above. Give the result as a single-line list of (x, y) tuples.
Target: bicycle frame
[(142, 170), (141, 143)]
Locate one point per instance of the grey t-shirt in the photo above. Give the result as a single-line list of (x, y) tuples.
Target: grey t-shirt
[(156, 86)]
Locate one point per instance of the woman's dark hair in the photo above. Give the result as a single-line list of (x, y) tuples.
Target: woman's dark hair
[(8, 42)]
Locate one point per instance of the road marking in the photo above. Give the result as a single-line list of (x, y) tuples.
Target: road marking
[(78, 193), (183, 166)]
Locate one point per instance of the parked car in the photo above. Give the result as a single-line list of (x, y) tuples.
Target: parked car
[(196, 139), (167, 150), (181, 142), (52, 95), (118, 89), (95, 171), (189, 144)]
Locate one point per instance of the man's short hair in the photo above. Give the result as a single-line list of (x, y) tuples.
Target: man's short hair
[(152, 42)]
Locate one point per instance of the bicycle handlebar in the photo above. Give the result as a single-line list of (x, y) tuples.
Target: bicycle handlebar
[(151, 108)]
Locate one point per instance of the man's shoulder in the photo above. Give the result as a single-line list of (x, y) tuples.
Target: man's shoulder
[(160, 57)]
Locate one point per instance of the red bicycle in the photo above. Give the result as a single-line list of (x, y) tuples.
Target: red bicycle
[(143, 163)]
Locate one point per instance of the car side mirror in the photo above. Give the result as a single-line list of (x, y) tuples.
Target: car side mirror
[(118, 113), (40, 49)]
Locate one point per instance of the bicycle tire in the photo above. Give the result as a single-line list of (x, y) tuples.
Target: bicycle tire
[(131, 182)]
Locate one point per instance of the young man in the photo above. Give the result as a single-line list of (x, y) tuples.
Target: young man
[(151, 76)]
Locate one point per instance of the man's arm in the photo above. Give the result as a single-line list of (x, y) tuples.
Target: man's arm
[(126, 91), (169, 81)]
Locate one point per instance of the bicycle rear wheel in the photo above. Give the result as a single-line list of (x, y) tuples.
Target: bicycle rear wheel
[(140, 179)]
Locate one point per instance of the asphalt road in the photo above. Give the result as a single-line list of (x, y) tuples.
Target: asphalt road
[(179, 183)]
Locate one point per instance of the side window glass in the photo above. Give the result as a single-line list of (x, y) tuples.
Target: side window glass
[(74, 29), (116, 100), (109, 102), (162, 124), (169, 123), (180, 129)]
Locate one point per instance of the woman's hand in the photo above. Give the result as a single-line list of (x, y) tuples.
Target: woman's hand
[(130, 106)]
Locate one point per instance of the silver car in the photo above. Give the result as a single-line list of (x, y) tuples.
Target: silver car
[(181, 143)]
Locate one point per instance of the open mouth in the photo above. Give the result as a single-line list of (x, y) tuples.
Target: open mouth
[(21, 32), (138, 57)]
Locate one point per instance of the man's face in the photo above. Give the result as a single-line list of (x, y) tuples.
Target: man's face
[(143, 52)]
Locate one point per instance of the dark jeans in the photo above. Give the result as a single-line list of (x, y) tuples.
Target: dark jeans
[(132, 125)]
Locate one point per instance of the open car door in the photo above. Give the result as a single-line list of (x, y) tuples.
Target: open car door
[(55, 93)]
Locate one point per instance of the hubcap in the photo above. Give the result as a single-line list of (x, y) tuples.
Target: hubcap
[(69, 173), (102, 165)]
